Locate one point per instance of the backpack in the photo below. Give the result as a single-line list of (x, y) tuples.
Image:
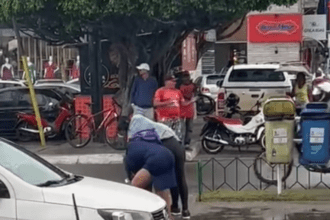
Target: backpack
[(149, 135)]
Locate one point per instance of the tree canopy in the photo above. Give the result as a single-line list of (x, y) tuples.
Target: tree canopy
[(149, 31)]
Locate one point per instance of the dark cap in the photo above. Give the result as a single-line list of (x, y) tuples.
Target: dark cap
[(186, 73), (169, 77)]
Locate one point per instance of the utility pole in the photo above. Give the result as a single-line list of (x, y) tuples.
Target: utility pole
[(95, 59)]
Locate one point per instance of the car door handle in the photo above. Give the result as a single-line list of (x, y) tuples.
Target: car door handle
[(255, 96)]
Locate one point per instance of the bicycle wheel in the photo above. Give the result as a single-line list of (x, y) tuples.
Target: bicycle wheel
[(78, 131), (204, 105), (112, 136), (266, 172)]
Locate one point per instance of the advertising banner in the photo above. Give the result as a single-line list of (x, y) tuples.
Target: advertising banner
[(275, 28), (315, 26), (189, 54)]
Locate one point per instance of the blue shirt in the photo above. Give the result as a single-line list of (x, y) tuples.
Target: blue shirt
[(143, 91)]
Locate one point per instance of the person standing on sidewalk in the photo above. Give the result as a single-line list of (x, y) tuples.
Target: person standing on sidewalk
[(168, 101), (143, 90), (169, 140), (188, 90)]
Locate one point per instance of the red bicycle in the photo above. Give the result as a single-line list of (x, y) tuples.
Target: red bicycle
[(81, 128)]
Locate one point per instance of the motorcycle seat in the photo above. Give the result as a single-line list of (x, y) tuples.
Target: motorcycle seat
[(231, 121)]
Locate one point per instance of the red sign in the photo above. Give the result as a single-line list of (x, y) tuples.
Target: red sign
[(275, 28), (189, 54)]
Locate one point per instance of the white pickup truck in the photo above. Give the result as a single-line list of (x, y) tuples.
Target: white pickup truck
[(250, 81)]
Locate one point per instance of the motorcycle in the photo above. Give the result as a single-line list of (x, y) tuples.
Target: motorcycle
[(321, 89), (222, 131), (53, 126)]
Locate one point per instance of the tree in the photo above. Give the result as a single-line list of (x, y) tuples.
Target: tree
[(149, 31)]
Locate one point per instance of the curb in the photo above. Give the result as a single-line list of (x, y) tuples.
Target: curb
[(85, 159), (115, 158)]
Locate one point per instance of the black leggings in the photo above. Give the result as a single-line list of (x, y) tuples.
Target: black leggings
[(179, 153)]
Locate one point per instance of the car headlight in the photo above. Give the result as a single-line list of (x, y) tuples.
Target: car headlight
[(124, 215)]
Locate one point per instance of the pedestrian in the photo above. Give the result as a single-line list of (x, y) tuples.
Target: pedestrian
[(170, 141), (188, 90), (167, 102), (143, 90), (147, 161), (302, 92)]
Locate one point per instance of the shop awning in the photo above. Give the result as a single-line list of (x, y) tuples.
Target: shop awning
[(239, 37)]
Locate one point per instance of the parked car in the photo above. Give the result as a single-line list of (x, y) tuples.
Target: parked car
[(206, 84), (33, 189), (11, 83), (72, 89), (250, 81), (16, 99)]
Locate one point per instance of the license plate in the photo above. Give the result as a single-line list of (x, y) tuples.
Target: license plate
[(280, 140), (280, 132)]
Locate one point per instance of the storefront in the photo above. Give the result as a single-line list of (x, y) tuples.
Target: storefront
[(60, 62), (274, 38)]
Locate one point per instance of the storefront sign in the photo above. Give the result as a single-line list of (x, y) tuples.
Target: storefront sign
[(315, 26), (275, 28)]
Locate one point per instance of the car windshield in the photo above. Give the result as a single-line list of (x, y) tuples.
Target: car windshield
[(213, 79), (256, 75), (28, 166)]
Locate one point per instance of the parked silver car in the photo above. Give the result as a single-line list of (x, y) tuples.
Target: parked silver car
[(207, 84)]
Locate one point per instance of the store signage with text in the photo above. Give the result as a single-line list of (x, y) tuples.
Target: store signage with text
[(275, 28), (315, 26)]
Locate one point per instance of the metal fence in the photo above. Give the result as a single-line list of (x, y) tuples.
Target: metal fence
[(238, 174)]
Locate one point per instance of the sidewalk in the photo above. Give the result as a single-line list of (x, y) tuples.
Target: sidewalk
[(60, 152)]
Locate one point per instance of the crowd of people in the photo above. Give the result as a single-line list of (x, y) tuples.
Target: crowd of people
[(155, 155)]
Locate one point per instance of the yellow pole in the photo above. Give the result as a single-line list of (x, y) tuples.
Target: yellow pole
[(34, 101)]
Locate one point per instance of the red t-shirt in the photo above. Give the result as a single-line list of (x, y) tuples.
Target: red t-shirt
[(168, 112), (188, 93)]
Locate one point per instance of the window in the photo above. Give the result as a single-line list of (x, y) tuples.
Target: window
[(198, 81), (213, 79), (27, 165), (25, 99), (8, 99), (256, 75), (4, 193)]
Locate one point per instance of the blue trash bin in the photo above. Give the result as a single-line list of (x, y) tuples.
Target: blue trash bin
[(315, 134)]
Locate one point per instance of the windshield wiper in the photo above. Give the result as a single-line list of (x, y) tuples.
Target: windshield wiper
[(51, 182)]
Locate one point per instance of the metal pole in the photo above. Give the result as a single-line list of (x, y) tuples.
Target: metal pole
[(32, 92), (279, 180), (96, 76)]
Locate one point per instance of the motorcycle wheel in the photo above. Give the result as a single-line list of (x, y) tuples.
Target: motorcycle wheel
[(266, 172), (112, 136), (205, 105), (209, 146), (78, 131), (262, 141), (23, 136)]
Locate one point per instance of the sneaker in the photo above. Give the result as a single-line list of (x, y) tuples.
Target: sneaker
[(175, 211), (185, 214)]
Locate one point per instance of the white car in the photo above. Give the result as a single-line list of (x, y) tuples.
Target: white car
[(33, 189), (250, 81), (207, 84), (74, 81), (72, 88)]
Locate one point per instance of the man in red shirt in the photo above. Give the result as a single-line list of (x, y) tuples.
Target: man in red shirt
[(168, 101), (188, 90)]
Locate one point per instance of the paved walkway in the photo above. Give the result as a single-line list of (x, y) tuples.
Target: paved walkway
[(60, 152)]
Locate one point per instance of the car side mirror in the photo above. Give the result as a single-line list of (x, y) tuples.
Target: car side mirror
[(219, 83), (4, 193)]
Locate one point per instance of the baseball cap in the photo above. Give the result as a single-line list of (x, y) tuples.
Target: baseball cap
[(169, 77), (143, 66)]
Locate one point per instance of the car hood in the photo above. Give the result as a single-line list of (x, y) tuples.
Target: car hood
[(102, 194)]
